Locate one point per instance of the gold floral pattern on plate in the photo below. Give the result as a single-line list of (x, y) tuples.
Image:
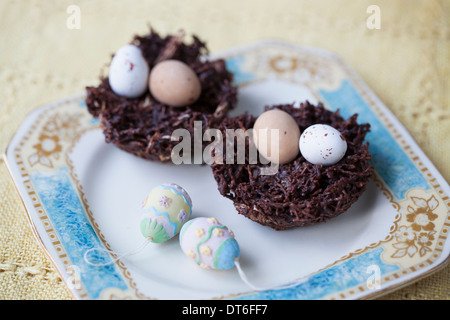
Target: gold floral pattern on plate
[(415, 242)]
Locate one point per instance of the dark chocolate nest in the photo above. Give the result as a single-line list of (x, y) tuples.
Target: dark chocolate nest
[(143, 126), (300, 193)]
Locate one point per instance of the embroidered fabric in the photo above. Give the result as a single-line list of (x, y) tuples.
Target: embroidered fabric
[(405, 63)]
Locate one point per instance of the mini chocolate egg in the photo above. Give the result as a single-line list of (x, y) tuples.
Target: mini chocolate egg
[(286, 148), (174, 83), (164, 212), (322, 144), (128, 72), (209, 243)]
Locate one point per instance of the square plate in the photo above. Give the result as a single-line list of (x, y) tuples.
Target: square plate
[(80, 193)]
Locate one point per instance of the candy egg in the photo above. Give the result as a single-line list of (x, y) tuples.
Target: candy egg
[(209, 243), (322, 144), (286, 148), (128, 72), (164, 212), (174, 83)]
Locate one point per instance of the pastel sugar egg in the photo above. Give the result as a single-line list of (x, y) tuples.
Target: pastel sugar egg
[(209, 243), (165, 210), (129, 72), (274, 123), (322, 144), (174, 83)]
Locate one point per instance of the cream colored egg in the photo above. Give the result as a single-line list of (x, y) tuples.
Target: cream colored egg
[(174, 83), (277, 123)]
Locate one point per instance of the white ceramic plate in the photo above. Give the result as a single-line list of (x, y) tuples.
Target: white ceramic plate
[(81, 193)]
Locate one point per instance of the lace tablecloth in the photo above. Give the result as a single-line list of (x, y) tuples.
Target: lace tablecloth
[(45, 55)]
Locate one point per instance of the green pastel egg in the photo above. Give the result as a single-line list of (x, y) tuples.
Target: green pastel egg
[(164, 212)]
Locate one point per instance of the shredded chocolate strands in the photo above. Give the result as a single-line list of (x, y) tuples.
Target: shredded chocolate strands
[(141, 126), (300, 193)]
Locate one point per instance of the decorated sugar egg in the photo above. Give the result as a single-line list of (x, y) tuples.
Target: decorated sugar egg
[(164, 212), (283, 150), (128, 72), (209, 243), (322, 144), (174, 83)]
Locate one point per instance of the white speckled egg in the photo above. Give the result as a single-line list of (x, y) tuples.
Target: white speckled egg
[(164, 212), (209, 243), (174, 83), (322, 144), (286, 148), (128, 72)]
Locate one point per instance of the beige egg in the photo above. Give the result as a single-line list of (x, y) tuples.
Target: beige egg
[(174, 83), (286, 148)]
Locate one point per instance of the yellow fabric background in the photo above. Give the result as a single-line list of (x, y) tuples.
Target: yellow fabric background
[(406, 63)]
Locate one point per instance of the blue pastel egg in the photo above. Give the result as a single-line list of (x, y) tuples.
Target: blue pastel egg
[(209, 243)]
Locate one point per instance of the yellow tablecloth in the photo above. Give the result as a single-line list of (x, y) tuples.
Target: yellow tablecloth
[(42, 58)]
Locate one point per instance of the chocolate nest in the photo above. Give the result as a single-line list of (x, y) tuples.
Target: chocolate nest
[(143, 126), (300, 193)]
